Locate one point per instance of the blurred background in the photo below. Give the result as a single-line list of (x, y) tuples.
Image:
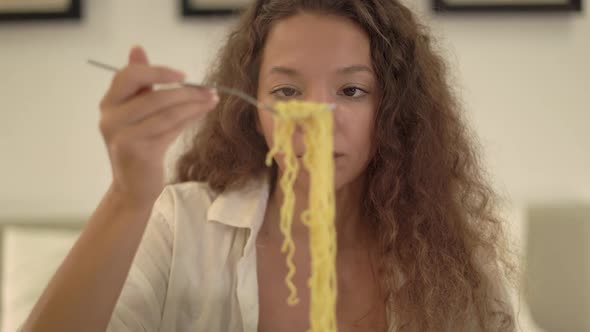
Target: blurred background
[(523, 78)]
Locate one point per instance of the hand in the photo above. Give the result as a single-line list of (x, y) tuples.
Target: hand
[(138, 124)]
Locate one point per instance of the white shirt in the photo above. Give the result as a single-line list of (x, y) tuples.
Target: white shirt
[(195, 269)]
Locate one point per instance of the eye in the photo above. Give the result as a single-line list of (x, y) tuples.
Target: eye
[(353, 92), (285, 92)]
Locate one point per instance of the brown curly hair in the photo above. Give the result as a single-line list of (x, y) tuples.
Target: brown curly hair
[(426, 198)]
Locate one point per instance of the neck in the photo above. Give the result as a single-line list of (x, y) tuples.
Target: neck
[(350, 230)]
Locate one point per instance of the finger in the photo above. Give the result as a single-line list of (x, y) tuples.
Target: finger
[(131, 79), (144, 106), (148, 104), (137, 55), (171, 119)]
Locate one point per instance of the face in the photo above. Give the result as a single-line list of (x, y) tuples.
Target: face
[(323, 59)]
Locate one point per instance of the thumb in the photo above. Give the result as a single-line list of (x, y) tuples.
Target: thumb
[(137, 56)]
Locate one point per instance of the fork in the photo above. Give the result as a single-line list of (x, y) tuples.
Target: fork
[(231, 91)]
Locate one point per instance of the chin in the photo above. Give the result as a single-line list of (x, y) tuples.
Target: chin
[(344, 179)]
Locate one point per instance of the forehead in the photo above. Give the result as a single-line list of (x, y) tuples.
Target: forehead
[(318, 42)]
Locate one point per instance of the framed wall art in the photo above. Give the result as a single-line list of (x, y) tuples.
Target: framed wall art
[(507, 5), (29, 10), (212, 7)]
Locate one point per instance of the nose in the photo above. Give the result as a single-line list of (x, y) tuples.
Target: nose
[(319, 93), (316, 93)]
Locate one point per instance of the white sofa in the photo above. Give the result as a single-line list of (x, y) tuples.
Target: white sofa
[(30, 252)]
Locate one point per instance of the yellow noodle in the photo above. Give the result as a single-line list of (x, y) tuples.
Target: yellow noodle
[(282, 144), (316, 123)]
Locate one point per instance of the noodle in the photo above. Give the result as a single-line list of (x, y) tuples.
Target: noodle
[(316, 122)]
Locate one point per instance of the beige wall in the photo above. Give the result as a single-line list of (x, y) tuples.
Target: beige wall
[(525, 81), (52, 157)]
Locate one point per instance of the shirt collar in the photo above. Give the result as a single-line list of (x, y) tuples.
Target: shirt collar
[(243, 207)]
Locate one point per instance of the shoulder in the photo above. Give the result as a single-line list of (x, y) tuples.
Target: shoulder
[(186, 193), (189, 206), (187, 200)]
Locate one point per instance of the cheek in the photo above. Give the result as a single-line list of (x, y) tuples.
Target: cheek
[(265, 126), (356, 141), (358, 130), (367, 122), (361, 144), (366, 135)]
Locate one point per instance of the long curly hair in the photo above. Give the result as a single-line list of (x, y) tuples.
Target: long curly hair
[(426, 199)]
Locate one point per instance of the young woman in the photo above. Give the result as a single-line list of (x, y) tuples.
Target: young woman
[(419, 245)]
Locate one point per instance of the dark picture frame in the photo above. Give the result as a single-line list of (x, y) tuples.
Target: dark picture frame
[(501, 6), (73, 11), (192, 8)]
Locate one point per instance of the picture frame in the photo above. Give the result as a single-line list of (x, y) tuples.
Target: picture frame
[(507, 6), (34, 10), (212, 7)]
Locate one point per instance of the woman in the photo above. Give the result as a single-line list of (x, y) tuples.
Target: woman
[(419, 245)]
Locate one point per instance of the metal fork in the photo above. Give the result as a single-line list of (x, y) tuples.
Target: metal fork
[(235, 92)]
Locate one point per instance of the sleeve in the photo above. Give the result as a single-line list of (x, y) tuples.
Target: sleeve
[(141, 302)]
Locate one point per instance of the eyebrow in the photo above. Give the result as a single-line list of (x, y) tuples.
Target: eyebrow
[(354, 69), (344, 70), (284, 70)]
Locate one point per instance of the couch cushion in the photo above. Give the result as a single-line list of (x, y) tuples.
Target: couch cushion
[(30, 257)]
